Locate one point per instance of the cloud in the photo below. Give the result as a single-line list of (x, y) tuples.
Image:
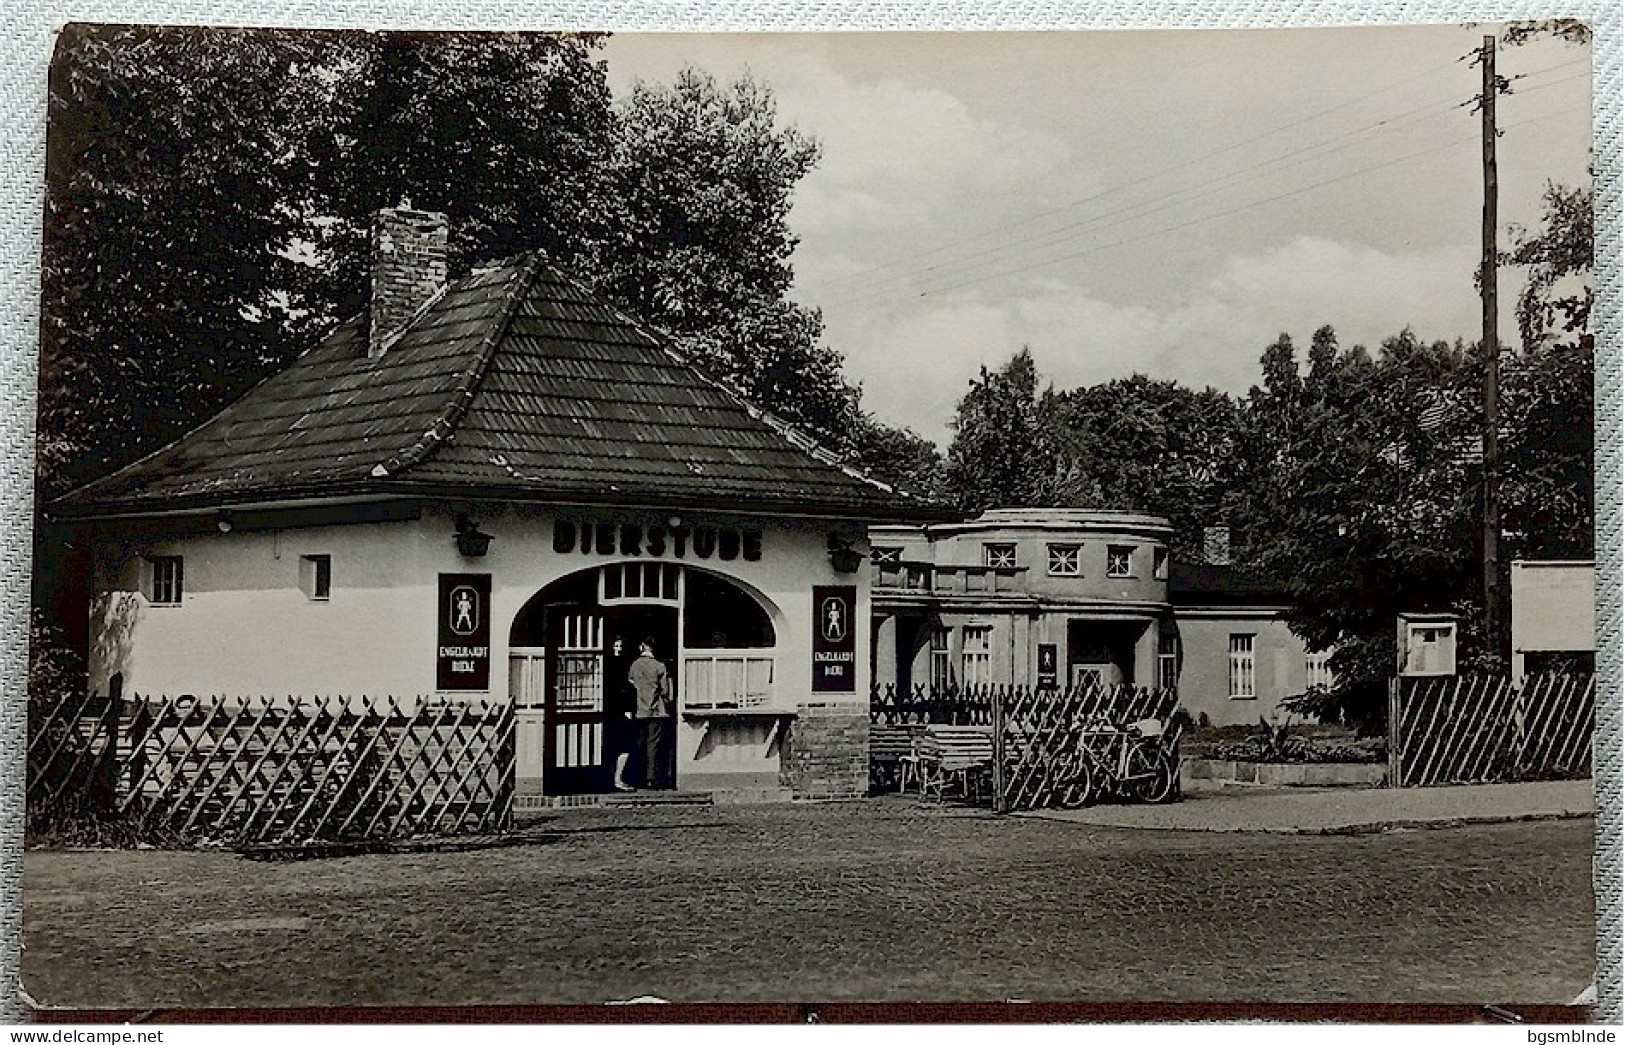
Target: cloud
[(907, 168), (914, 364)]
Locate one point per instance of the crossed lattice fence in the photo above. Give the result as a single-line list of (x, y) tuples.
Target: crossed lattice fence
[(1041, 730), (923, 705), (1035, 732), (269, 771), (1490, 729)]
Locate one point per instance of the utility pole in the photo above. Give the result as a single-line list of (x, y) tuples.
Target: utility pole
[(1493, 610)]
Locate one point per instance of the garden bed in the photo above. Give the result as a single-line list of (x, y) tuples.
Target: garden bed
[(1300, 755)]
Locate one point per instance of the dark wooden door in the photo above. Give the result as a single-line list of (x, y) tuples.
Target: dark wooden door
[(573, 754)]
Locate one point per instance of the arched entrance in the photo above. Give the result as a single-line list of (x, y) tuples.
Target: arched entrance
[(571, 648)]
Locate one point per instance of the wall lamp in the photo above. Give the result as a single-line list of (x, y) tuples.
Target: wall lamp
[(223, 521), (843, 556), (472, 542)]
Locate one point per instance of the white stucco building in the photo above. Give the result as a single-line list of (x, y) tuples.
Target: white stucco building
[(493, 489)]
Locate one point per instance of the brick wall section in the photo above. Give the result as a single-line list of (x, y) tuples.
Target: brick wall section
[(828, 754), (408, 268)]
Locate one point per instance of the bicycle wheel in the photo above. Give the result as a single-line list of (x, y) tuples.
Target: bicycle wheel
[(1150, 777), (1076, 790)]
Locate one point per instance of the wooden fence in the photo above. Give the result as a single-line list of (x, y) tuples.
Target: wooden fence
[(1034, 731), (1488, 729), (921, 705), (1039, 733), (270, 771)]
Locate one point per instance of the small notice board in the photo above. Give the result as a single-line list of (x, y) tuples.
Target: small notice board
[(835, 641), (463, 659)]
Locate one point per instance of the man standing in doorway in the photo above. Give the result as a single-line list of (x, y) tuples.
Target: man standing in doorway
[(648, 678)]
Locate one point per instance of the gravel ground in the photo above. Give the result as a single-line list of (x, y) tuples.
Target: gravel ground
[(866, 901)]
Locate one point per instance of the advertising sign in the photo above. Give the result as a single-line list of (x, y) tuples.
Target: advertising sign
[(835, 640), (1046, 664), (463, 660)]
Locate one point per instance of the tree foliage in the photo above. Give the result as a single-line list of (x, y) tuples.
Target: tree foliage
[(1357, 486), (168, 169), (1550, 413), (702, 178), (1003, 454), (210, 193), (1141, 445), (900, 457)]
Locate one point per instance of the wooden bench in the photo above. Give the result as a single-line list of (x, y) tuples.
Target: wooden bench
[(891, 756), (949, 754)]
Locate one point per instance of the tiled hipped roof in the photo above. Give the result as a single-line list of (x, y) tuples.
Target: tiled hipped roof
[(514, 382)]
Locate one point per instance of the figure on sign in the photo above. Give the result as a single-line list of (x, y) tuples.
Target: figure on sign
[(462, 621), (834, 620)]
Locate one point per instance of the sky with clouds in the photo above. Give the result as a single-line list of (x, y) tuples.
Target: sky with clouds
[(1164, 203)]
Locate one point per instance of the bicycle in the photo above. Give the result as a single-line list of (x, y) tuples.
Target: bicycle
[(1137, 762)]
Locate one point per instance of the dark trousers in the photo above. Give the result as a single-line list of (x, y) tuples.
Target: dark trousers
[(652, 744)]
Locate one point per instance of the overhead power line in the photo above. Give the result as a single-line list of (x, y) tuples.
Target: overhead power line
[(1132, 211), (1050, 212), (1148, 207), (1455, 143), (866, 273)]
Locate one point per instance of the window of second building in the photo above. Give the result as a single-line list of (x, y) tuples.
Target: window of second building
[(942, 675), (1159, 564), (1317, 670), (1119, 560), (1243, 677), (1167, 660), (883, 555), (1064, 560), (168, 580), (999, 556), (316, 576), (976, 656)]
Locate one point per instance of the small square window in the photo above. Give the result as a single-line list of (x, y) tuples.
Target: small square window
[(885, 555), (316, 576), (1119, 560), (168, 580), (999, 556), (1064, 560)]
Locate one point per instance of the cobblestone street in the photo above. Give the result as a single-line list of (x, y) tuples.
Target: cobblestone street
[(865, 901)]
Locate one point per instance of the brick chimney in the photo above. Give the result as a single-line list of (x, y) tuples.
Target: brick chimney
[(408, 269), (1216, 545)]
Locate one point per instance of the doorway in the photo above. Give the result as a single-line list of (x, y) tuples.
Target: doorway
[(589, 701), (569, 658)]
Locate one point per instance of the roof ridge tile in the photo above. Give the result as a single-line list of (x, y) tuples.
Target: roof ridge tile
[(468, 387)]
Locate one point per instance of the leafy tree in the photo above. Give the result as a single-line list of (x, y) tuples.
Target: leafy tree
[(899, 457), (1358, 488), (168, 165), (702, 176), (509, 135), (1548, 485), (1003, 454), (1149, 446)]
